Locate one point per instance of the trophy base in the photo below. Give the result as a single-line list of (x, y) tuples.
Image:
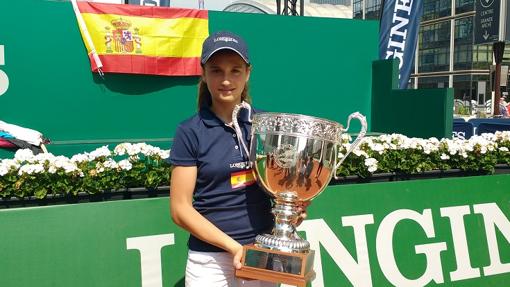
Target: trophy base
[(277, 266)]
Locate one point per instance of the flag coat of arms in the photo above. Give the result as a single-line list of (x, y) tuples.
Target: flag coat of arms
[(242, 179), (136, 39)]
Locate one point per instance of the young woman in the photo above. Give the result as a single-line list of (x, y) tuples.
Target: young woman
[(213, 195)]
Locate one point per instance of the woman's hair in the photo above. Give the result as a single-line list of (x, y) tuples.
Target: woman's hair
[(205, 98)]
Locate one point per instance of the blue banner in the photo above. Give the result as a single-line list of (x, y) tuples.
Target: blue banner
[(398, 34)]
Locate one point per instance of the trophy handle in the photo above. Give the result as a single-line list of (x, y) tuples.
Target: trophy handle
[(235, 123), (357, 141)]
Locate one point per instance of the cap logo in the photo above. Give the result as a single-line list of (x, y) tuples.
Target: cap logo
[(225, 39)]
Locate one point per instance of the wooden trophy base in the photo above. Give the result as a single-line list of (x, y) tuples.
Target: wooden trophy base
[(276, 266)]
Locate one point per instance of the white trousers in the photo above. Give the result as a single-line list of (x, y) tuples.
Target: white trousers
[(215, 269)]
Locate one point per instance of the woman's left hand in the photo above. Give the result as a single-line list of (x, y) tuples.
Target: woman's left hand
[(238, 256), (301, 207)]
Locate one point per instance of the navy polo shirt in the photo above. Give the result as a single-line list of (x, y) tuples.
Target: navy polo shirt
[(225, 192)]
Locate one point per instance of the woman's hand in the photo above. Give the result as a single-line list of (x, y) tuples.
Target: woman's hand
[(238, 256), (301, 208)]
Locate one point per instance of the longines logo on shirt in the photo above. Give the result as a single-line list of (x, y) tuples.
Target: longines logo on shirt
[(242, 164)]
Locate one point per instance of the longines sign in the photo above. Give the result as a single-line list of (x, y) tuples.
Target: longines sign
[(440, 232), (358, 268)]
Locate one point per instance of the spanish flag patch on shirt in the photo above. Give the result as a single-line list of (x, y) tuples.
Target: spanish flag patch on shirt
[(242, 179)]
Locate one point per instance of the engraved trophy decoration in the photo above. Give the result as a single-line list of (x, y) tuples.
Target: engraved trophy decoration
[(293, 157)]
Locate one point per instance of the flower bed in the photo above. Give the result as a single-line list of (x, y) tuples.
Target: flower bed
[(45, 175), (109, 173), (399, 155)]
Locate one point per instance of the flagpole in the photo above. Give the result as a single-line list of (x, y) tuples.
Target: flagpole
[(87, 37)]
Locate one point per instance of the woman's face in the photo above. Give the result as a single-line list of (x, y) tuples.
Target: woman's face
[(226, 74)]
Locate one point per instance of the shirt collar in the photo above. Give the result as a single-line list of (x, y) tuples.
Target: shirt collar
[(210, 118)]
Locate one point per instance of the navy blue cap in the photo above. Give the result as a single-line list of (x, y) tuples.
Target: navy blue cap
[(224, 40)]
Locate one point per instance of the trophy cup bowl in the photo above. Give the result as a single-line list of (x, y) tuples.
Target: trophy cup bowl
[(293, 158)]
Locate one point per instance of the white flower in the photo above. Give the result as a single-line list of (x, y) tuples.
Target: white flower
[(31, 169), (359, 152), (379, 148), (79, 158), (99, 167), (70, 167), (100, 152), (22, 155), (133, 149), (110, 164), (125, 164), (146, 149), (3, 169), (445, 156), (52, 169), (503, 149), (120, 149), (371, 164), (10, 163), (164, 154), (346, 138), (43, 157)]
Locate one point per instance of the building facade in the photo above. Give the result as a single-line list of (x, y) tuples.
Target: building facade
[(446, 54), (333, 2), (313, 9)]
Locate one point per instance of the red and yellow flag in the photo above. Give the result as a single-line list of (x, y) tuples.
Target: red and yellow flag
[(142, 40), (242, 179)]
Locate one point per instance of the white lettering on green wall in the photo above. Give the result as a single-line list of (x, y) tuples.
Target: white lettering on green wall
[(432, 251), (460, 244), (318, 231), (493, 217), (150, 256), (4, 80)]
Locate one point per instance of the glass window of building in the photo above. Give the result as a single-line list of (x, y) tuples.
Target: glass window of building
[(434, 47), (433, 82), (373, 9), (480, 84), (463, 45), (462, 88), (357, 9), (463, 93), (482, 56), (433, 9), (462, 6), (333, 2)]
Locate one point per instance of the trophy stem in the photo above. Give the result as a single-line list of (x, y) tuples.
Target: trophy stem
[(284, 237)]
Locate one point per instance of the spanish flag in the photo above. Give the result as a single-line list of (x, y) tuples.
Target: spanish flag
[(242, 179), (136, 39)]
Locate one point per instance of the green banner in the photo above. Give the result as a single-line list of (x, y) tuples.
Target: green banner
[(48, 73), (439, 232)]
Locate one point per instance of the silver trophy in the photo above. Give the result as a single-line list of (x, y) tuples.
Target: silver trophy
[(293, 157)]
